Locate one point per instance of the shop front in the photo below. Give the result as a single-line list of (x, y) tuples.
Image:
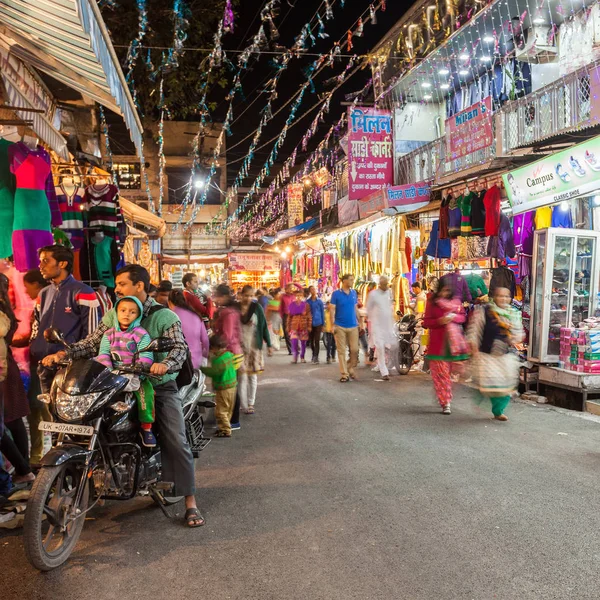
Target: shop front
[(556, 205), (258, 269)]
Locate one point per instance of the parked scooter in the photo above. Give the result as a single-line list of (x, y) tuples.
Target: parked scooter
[(96, 453), (406, 330)]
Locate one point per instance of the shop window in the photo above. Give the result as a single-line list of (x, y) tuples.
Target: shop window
[(128, 175)]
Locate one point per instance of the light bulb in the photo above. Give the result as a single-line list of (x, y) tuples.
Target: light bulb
[(445, 86), (427, 97), (485, 58), (426, 84), (463, 56), (463, 72), (198, 183), (444, 71), (283, 255), (488, 39), (288, 249), (564, 206)]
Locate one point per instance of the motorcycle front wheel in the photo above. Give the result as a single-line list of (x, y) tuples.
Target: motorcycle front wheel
[(404, 358), (50, 532)]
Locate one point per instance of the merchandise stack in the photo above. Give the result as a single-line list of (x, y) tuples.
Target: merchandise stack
[(580, 348)]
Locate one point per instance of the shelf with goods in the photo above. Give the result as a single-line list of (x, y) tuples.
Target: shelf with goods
[(257, 279)]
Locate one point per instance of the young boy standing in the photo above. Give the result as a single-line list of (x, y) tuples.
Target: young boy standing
[(222, 370), (118, 346)]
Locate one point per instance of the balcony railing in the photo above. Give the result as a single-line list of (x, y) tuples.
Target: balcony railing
[(560, 107), (428, 163)]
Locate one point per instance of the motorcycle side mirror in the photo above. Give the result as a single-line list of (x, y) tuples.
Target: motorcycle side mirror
[(54, 336), (161, 344)]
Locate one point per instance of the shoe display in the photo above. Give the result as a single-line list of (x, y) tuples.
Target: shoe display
[(565, 177), (576, 167), (591, 160)]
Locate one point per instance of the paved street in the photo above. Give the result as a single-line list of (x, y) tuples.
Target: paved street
[(356, 491)]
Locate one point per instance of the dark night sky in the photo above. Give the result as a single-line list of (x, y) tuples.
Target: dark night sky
[(289, 23)]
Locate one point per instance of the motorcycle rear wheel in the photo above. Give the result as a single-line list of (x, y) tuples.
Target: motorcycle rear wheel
[(51, 499), (404, 358)]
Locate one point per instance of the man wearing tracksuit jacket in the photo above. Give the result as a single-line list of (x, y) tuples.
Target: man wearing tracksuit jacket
[(66, 304)]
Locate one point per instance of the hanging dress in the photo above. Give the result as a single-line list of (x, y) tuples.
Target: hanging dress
[(70, 203), (103, 211), (7, 200), (36, 208)]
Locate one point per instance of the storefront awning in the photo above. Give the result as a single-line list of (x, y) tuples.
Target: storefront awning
[(293, 231), (67, 39), (25, 92), (138, 216)]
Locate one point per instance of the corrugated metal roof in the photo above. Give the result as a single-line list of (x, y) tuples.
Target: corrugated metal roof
[(68, 40)]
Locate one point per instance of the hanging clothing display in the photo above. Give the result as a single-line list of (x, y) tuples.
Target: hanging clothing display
[(437, 248), (35, 207), (502, 246), (70, 204), (102, 209), (465, 212), (478, 213), (454, 217), (7, 200), (523, 228), (543, 217), (444, 215), (491, 202), (562, 217), (503, 277), (99, 258)]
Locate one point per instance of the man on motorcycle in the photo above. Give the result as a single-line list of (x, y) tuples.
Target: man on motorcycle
[(178, 462)]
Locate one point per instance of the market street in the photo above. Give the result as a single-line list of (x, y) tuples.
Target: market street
[(362, 490)]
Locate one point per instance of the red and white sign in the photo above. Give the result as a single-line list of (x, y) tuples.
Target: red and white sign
[(253, 262), (469, 130), (370, 151), (406, 198), (371, 204)]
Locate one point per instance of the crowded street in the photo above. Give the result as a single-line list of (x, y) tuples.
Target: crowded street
[(358, 491)]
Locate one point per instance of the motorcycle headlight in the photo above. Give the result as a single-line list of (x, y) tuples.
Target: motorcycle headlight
[(403, 327), (74, 408)]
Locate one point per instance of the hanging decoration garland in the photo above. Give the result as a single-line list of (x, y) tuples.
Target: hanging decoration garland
[(133, 51), (109, 154), (161, 148), (299, 45)]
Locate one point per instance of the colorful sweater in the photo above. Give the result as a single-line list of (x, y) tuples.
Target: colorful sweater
[(222, 371), (71, 307), (125, 343)]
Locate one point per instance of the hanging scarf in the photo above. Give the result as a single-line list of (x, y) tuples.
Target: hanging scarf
[(456, 339), (251, 310)]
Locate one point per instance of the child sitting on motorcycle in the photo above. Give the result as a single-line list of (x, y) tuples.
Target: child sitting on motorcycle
[(118, 347)]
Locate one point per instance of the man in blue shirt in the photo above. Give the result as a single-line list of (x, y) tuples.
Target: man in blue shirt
[(318, 320), (344, 313)]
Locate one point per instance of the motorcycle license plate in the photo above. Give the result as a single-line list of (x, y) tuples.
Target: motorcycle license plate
[(66, 428)]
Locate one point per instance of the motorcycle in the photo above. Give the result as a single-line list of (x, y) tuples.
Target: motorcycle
[(97, 453), (406, 330)]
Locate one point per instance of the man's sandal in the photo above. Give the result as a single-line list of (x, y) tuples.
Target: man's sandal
[(343, 379), (193, 518)]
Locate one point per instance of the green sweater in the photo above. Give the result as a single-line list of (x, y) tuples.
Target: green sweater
[(222, 371)]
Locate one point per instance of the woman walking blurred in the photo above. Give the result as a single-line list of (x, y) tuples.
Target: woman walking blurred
[(192, 326), (299, 325), (444, 316), (493, 329), (273, 314), (254, 334)]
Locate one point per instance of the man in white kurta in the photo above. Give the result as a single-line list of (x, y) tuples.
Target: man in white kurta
[(380, 313)]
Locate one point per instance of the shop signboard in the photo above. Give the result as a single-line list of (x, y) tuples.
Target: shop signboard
[(295, 202), (253, 262), (347, 211), (469, 130), (568, 174), (371, 204), (370, 151), (406, 198)]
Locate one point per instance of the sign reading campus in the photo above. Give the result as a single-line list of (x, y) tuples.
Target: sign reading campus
[(564, 175), (370, 151)]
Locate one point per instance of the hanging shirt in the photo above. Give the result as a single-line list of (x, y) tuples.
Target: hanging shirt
[(491, 202), (478, 214), (543, 217), (444, 217), (465, 211), (561, 217), (454, 217)]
